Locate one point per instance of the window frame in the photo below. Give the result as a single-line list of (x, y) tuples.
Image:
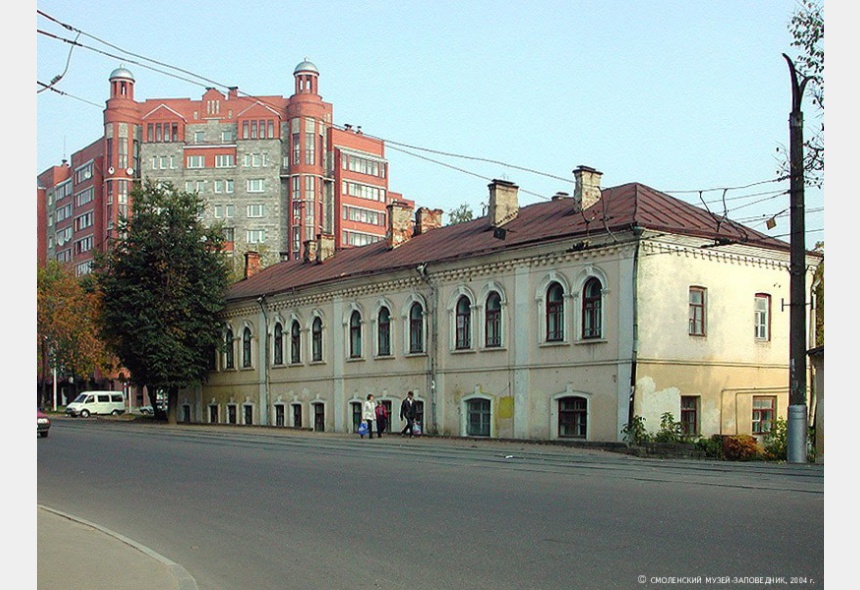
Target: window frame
[(697, 312), (317, 340), (592, 309), (383, 331), (555, 327), (690, 415), (295, 342), (278, 344), (463, 323), (493, 320), (247, 348), (763, 416), (355, 350), (575, 417), (762, 317)]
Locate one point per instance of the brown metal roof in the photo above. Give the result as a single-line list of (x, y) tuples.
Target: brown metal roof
[(619, 208)]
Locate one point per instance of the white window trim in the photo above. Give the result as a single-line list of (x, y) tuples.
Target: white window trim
[(464, 412), (540, 301), (553, 412)]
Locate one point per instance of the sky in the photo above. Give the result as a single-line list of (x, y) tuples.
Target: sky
[(690, 97), (687, 97)]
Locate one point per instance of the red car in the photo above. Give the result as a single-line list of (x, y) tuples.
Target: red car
[(43, 423)]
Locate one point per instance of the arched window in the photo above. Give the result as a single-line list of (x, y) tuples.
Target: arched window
[(464, 324), (355, 335), (572, 417), (316, 338), (246, 348), (591, 309), (416, 328), (478, 417), (383, 332), (555, 313), (279, 344), (493, 321), (295, 342), (229, 363)]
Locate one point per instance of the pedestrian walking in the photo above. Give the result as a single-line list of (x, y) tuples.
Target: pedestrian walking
[(381, 418), (408, 410), (368, 414)]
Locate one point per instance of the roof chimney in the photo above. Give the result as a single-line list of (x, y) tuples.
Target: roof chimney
[(252, 263), (587, 190), (399, 223), (325, 248), (311, 249), (427, 219), (503, 202)]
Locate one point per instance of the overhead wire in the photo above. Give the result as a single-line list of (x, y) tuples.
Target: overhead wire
[(401, 147)]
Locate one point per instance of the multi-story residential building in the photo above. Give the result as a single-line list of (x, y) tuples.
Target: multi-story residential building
[(274, 170), (558, 320)]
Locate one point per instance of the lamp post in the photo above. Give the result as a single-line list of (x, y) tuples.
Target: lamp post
[(797, 411)]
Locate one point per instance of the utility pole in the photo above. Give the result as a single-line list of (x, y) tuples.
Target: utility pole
[(797, 411)]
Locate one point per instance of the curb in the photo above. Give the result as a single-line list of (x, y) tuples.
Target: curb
[(185, 580)]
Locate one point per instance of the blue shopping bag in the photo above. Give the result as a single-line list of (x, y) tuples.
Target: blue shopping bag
[(362, 429)]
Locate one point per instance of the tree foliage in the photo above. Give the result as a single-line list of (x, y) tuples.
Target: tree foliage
[(807, 30), (163, 281), (67, 314), (460, 214)]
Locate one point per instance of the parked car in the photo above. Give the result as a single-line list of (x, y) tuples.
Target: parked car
[(146, 410), (97, 402), (43, 423)]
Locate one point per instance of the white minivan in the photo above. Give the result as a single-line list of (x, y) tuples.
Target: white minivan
[(97, 402)]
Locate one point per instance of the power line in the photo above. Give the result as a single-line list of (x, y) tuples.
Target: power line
[(392, 144)]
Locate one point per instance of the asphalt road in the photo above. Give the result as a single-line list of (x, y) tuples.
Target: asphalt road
[(257, 509)]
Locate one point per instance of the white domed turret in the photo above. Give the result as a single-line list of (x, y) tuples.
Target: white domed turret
[(307, 76), (306, 66), (121, 72), (121, 83)]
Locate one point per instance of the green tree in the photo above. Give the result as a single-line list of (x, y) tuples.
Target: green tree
[(163, 281), (67, 314), (460, 214), (807, 30)]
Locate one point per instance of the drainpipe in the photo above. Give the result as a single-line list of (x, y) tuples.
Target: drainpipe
[(264, 382), (634, 353), (434, 332)]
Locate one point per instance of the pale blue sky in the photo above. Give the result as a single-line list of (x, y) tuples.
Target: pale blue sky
[(679, 95)]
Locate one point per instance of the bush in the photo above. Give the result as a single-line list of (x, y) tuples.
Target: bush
[(776, 441), (670, 431), (711, 447), (741, 447), (635, 432)]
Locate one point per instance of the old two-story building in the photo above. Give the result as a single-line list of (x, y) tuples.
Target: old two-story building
[(557, 320)]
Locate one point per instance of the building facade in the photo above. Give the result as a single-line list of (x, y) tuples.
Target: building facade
[(274, 170), (556, 321)]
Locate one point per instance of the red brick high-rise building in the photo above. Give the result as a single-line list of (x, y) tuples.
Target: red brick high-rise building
[(274, 170)]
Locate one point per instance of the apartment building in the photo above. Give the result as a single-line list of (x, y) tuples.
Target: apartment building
[(274, 170)]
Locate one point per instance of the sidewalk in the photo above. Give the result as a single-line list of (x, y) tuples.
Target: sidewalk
[(74, 554)]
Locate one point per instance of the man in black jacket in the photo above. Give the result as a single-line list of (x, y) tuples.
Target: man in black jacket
[(407, 412)]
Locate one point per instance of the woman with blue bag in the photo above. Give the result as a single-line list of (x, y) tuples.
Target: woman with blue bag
[(368, 415)]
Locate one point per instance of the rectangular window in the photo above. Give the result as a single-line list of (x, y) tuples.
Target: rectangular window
[(224, 161), (196, 162), (764, 408), (227, 136), (255, 236), (199, 136), (255, 210), (256, 185), (762, 316), (697, 311), (690, 415)]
